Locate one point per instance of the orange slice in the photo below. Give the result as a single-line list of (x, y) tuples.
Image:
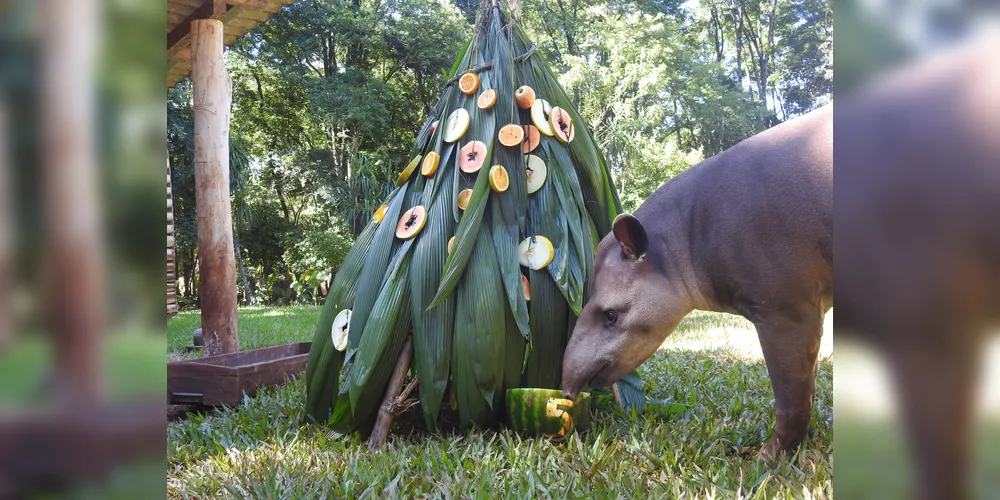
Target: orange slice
[(531, 139), (411, 223), (511, 135), (562, 124), (469, 83), (487, 99), (525, 96), (430, 164), (499, 179), (450, 243), (380, 214), (463, 198), (472, 156)]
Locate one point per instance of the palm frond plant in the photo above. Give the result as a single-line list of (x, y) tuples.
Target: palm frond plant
[(459, 253)]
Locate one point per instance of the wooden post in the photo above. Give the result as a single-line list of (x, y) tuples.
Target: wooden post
[(211, 87), (74, 255), (386, 412), (6, 234)]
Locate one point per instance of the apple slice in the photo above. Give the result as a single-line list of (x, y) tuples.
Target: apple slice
[(535, 252), (458, 123), (540, 112), (536, 171), (340, 329)]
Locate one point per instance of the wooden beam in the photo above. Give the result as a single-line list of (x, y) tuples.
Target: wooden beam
[(265, 5), (212, 105), (211, 9)]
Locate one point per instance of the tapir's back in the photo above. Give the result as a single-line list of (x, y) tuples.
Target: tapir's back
[(756, 221)]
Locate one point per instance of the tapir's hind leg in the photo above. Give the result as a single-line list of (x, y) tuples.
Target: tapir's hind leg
[(791, 345), (936, 385)]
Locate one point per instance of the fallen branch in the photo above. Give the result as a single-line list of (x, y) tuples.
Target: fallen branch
[(391, 404), (616, 394)]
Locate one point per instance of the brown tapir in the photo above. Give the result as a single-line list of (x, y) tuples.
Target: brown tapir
[(748, 231)]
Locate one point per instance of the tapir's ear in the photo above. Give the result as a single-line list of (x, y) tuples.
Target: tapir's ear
[(631, 236)]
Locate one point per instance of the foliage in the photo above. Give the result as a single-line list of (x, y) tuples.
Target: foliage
[(328, 97), (260, 449)]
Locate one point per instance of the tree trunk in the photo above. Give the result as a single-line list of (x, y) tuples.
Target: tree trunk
[(212, 96), (243, 270)]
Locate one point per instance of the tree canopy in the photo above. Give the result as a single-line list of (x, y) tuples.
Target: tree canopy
[(328, 97)]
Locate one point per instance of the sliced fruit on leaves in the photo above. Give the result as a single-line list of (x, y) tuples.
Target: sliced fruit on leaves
[(376, 262), (472, 156), (432, 328), (511, 135), (487, 99), (531, 139), (562, 124), (430, 164), (540, 111), (535, 172), (324, 362), (338, 332), (524, 96), (468, 83), (380, 214), (499, 180), (411, 222), (535, 252), (408, 171), (457, 124), (463, 198)]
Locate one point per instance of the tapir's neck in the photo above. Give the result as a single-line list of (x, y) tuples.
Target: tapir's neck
[(668, 228)]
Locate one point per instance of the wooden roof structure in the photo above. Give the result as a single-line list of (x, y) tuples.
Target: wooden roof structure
[(237, 16)]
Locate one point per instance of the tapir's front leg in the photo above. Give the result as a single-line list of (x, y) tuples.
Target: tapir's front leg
[(790, 343)]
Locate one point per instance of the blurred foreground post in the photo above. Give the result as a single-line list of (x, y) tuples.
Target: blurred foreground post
[(72, 214), (211, 166)]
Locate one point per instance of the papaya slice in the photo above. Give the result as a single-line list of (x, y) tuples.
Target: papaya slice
[(472, 156), (511, 135), (340, 328), (411, 222), (487, 99), (525, 97), (531, 139), (468, 83), (499, 180), (562, 124), (430, 164), (463, 198), (540, 112), (526, 286), (408, 171), (536, 171), (380, 214), (458, 123), (434, 126), (451, 243), (535, 252)]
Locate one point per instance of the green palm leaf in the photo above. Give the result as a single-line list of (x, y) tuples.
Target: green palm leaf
[(432, 328)]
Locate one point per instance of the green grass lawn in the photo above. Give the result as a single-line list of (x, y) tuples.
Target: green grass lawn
[(711, 362)]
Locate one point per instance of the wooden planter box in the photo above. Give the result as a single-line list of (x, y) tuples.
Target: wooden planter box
[(224, 379)]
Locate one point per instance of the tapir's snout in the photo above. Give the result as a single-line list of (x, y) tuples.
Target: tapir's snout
[(583, 366)]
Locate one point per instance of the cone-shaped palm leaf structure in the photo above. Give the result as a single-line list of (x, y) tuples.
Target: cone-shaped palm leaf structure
[(484, 251)]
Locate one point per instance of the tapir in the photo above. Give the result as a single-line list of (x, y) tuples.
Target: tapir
[(748, 231), (917, 267)]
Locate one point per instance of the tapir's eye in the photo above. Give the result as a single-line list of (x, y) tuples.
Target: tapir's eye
[(611, 315)]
